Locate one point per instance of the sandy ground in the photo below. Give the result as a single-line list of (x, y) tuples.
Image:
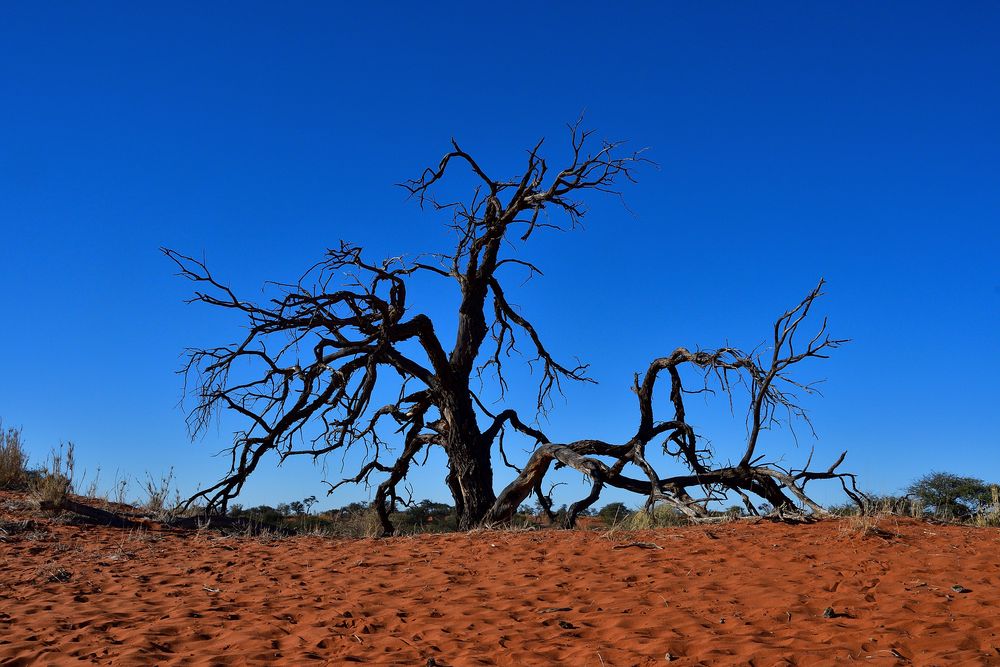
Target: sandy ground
[(728, 594)]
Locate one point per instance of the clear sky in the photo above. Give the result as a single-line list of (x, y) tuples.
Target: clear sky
[(856, 141)]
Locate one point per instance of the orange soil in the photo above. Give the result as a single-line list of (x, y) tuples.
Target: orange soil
[(730, 594)]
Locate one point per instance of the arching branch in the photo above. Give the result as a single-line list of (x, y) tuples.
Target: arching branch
[(770, 387)]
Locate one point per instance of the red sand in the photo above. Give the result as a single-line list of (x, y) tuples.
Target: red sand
[(730, 594)]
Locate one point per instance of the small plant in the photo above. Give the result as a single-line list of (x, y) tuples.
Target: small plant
[(91, 490), (13, 459), (120, 490), (158, 496), (660, 516), (55, 481), (52, 574)]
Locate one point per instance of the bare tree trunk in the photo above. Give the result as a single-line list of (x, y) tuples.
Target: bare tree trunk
[(470, 478), (473, 482)]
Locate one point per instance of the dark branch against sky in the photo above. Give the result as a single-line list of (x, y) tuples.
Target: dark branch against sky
[(793, 143)]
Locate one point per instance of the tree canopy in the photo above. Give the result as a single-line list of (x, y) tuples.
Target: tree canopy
[(950, 494)]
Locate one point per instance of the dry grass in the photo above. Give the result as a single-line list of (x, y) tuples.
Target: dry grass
[(659, 517), (91, 490), (860, 525), (866, 520), (52, 574), (55, 481), (359, 524), (162, 501), (877, 514), (13, 459), (991, 516)]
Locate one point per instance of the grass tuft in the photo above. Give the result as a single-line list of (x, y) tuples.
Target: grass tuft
[(160, 502), (54, 482), (13, 459), (661, 516)]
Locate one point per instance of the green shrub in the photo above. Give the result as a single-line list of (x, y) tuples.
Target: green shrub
[(426, 516), (614, 513), (264, 514), (951, 496)]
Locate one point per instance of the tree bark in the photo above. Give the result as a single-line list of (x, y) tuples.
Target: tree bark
[(470, 477), (473, 482)]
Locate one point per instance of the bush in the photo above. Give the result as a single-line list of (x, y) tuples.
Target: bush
[(951, 495), (426, 516), (614, 513), (264, 514), (13, 459)]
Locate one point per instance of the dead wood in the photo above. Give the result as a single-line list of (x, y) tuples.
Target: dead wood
[(303, 378), (136, 521)]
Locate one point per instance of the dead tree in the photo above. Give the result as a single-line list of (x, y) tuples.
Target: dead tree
[(319, 351), (772, 391)]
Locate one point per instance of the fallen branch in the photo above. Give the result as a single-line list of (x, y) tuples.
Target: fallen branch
[(116, 520)]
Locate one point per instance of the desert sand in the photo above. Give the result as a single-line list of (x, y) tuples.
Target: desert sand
[(735, 593)]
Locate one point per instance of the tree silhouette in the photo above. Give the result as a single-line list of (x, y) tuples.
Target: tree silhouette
[(320, 351)]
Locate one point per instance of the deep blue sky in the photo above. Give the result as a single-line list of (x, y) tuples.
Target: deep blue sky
[(854, 141)]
